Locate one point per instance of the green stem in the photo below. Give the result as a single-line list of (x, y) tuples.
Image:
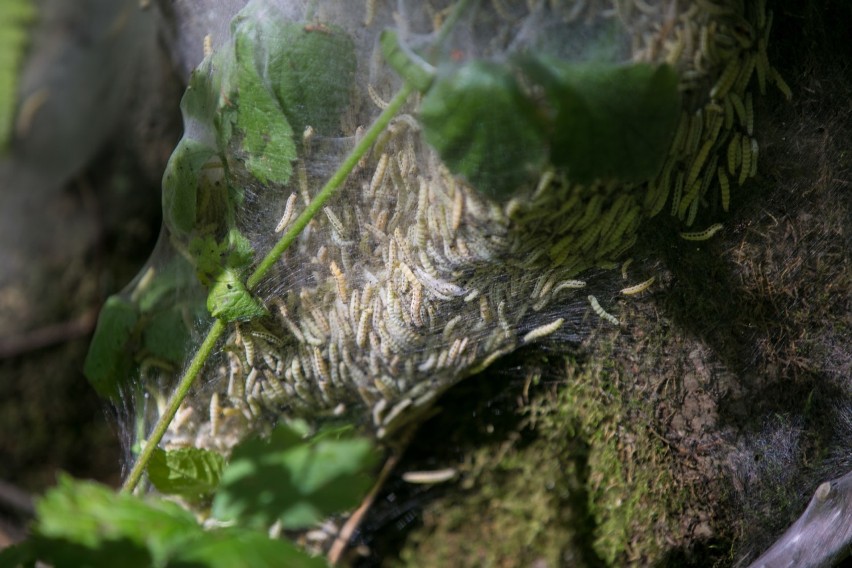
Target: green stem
[(174, 403), (331, 187), (218, 328)]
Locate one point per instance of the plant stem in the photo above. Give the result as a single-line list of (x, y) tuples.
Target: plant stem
[(218, 328), (331, 186), (180, 393)]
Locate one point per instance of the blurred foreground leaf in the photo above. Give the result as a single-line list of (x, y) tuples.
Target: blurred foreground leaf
[(15, 15), (292, 479), (85, 524)]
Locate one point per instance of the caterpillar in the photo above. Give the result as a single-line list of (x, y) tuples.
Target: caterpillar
[(603, 314), (543, 331), (702, 235), (638, 288)]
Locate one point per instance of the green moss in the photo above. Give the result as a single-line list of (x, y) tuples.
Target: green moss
[(582, 481)]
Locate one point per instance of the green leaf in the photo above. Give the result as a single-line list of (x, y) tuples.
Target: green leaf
[(293, 480), (230, 300), (209, 257), (607, 120), (108, 362), (188, 472), (95, 520), (484, 128), (231, 547), (408, 65), (166, 336), (311, 69), (172, 283), (180, 184), (85, 524), (266, 135)]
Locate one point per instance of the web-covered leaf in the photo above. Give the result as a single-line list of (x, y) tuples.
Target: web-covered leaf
[(483, 127), (294, 480), (189, 472), (607, 120), (109, 361)]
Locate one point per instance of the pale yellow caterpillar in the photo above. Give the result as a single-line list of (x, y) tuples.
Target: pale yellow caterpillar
[(725, 189), (749, 106), (429, 477), (745, 169), (288, 213), (739, 107), (697, 164), (726, 79), (702, 235), (638, 288), (624, 266), (781, 84), (543, 331), (603, 314), (678, 190), (734, 154), (754, 151), (340, 279)]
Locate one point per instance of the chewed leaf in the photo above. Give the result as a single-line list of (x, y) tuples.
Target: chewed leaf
[(108, 362), (180, 184), (230, 300), (267, 137), (312, 478), (484, 128), (188, 472), (311, 69), (608, 120)]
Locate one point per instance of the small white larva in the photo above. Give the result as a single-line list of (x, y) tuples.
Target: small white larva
[(363, 327), (458, 210), (569, 284), (215, 410), (340, 279), (377, 100), (288, 213), (702, 235), (603, 314), (370, 12), (208, 45), (638, 288), (543, 331), (429, 477), (336, 224), (379, 173)]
